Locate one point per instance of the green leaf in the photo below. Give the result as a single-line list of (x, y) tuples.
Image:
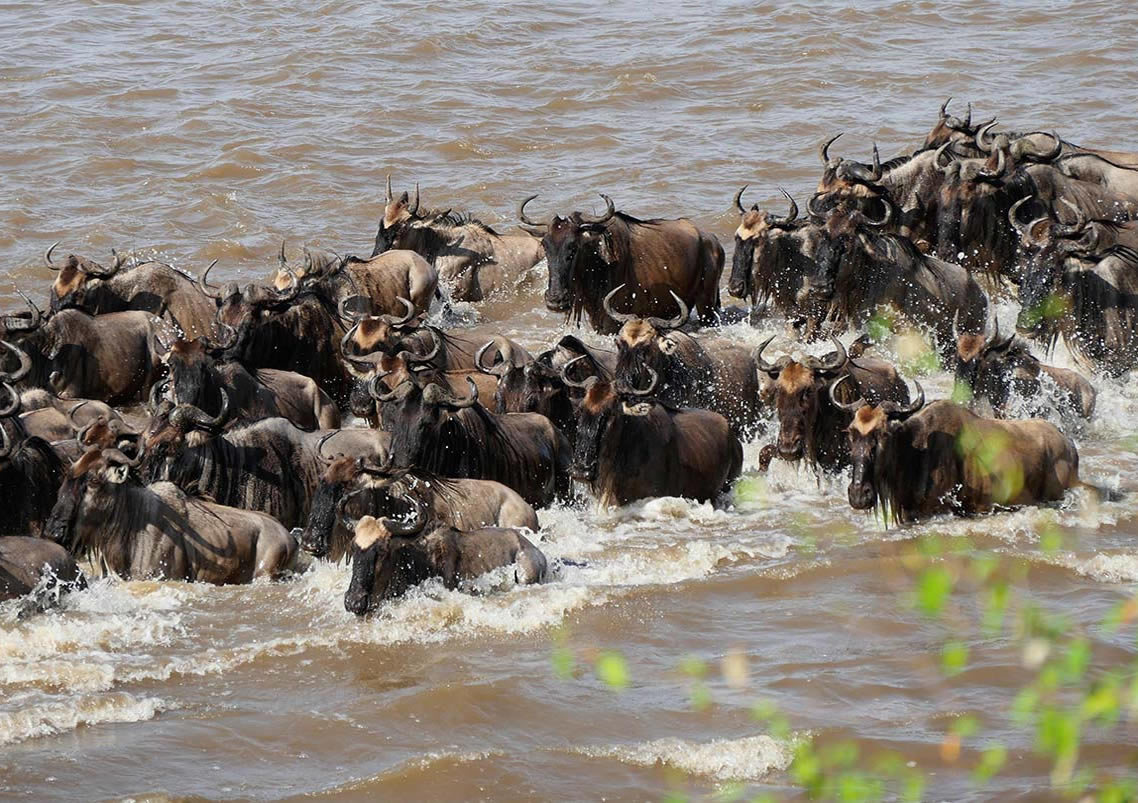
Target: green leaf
[(933, 588), (913, 788), (995, 608), (1075, 660), (693, 666), (965, 726), (954, 658), (612, 669), (700, 697), (991, 761)]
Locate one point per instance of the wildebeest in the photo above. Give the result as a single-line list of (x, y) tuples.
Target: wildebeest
[(382, 281), (473, 260), (915, 461), (356, 487), (30, 471), (860, 268), (434, 430), (113, 358), (158, 531), (708, 373), (36, 565), (270, 465), (68, 418), (197, 377), (386, 562), (1090, 297), (811, 426), (631, 447), (149, 286), (589, 256), (992, 369)]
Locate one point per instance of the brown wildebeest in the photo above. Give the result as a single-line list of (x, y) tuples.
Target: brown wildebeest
[(158, 531), (386, 562), (915, 461), (36, 565), (631, 447), (589, 256), (473, 260)]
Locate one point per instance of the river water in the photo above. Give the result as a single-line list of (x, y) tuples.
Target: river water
[(211, 130)]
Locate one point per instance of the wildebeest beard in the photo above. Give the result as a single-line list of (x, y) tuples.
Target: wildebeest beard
[(741, 284)]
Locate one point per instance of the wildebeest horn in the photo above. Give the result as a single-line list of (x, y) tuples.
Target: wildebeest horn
[(388, 199), (5, 443), (395, 394), (106, 273), (411, 357), (189, 416), (870, 176), (406, 319), (117, 458), (824, 148), (417, 522), (345, 520), (901, 411), (609, 212), (436, 394), (47, 256), (739, 199), (228, 335), (293, 289), (320, 445), (522, 214), (671, 323), (947, 146), (573, 383), (944, 108), (345, 314), (1062, 230), (1042, 156), (955, 123), (981, 134), (839, 359), (646, 390), (155, 397), (203, 284), (849, 407), (791, 213), (15, 324), (382, 469), (812, 205), (14, 406), (498, 369), (884, 221), (415, 210), (770, 369), (1024, 230), (1001, 167), (22, 356), (619, 317), (71, 415)]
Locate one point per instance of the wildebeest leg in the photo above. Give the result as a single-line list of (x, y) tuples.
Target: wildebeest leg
[(766, 455)]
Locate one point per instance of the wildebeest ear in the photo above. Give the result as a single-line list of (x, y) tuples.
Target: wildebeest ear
[(667, 344), (638, 409), (1037, 231), (604, 249), (118, 474)]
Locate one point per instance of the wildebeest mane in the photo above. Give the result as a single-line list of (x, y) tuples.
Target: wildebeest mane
[(453, 220), (30, 480)]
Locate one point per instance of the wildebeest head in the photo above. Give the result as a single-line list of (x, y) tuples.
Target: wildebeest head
[(645, 343), (575, 246), (604, 400), (318, 264), (987, 367), (798, 395), (868, 433), (191, 371), (1018, 148), (16, 363), (374, 561), (754, 227), (170, 429), (418, 418), (76, 274), (376, 334), (951, 129), (21, 324), (1049, 243), (240, 311), (343, 481), (87, 496), (9, 409), (398, 215), (842, 247), (848, 178)]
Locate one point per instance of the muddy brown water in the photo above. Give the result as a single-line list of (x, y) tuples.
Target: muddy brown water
[(213, 130)]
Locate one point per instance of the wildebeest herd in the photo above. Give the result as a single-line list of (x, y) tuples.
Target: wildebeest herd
[(163, 426)]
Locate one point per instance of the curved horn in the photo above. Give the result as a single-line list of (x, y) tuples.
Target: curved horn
[(609, 212), (840, 357), (71, 414), (573, 383), (388, 199), (849, 407), (5, 443), (944, 108), (812, 205), (885, 219), (344, 314), (672, 323), (22, 356), (416, 524), (772, 369), (406, 319), (498, 369), (522, 214), (187, 416), (395, 394), (1062, 230), (14, 324), (106, 273), (870, 176), (895, 410), (619, 317), (116, 457), (646, 390), (415, 210), (155, 396), (791, 212), (47, 256), (203, 284), (320, 445), (1001, 167), (461, 404), (14, 406), (944, 168), (739, 200), (411, 357), (981, 133), (293, 289), (1047, 156), (1023, 230), (824, 148)]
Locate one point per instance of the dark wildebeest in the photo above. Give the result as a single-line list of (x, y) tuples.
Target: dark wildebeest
[(991, 369), (860, 269), (270, 465), (436, 431), (358, 487), (589, 256), (472, 259), (113, 358), (158, 531), (631, 447), (709, 373), (384, 280), (37, 566), (810, 426), (1089, 297), (30, 471), (197, 377), (946, 459), (773, 255), (387, 560), (149, 286), (296, 329)]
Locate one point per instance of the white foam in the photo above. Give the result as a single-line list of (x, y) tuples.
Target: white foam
[(57, 717), (750, 758)]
